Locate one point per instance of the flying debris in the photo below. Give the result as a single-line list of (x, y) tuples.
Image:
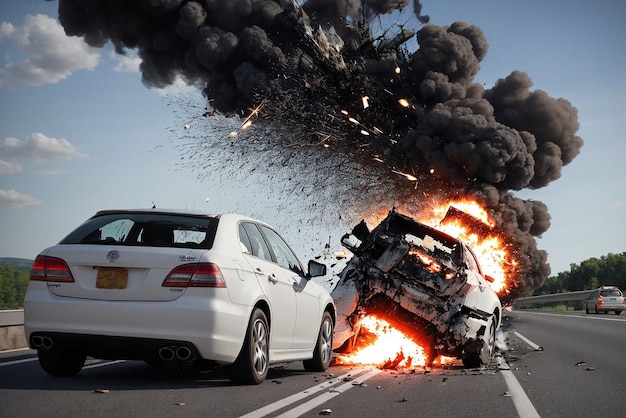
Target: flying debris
[(296, 74)]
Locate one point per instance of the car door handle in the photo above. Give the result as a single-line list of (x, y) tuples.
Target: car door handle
[(272, 278)]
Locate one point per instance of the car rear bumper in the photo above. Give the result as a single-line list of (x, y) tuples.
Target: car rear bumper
[(210, 328)]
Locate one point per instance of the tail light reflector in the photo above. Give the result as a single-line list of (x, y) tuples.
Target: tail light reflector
[(195, 275), (51, 269)]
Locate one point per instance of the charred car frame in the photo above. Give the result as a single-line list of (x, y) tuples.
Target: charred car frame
[(425, 282)]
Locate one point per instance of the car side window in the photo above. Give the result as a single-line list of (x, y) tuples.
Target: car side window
[(284, 256), (257, 243), (244, 240)]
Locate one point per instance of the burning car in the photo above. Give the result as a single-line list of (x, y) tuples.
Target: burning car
[(422, 281)]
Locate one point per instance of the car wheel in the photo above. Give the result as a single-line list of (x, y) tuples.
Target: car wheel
[(596, 309), (618, 312), (475, 359), (587, 309), (323, 348), (252, 363), (61, 363)]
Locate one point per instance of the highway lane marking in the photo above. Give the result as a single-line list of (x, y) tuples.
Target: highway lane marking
[(90, 366), (523, 405), (307, 406), (107, 363), (600, 318), (527, 341), (11, 363)]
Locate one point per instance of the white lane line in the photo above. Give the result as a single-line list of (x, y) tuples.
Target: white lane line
[(524, 407), (324, 397), (587, 316), (91, 366), (24, 360), (268, 409), (108, 363), (527, 341)]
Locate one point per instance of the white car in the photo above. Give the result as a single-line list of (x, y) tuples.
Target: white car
[(177, 287), (422, 279)]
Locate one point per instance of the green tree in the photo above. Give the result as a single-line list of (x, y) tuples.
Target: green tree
[(8, 295)]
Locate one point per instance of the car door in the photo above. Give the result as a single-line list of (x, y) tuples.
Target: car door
[(275, 284), (591, 301), (308, 309)]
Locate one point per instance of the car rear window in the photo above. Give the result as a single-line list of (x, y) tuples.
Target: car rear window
[(145, 229), (611, 292)]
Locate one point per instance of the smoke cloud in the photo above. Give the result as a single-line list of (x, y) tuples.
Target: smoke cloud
[(322, 82)]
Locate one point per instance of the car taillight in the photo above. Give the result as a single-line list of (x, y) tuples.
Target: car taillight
[(195, 275), (50, 269)]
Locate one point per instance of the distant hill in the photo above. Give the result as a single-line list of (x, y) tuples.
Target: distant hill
[(18, 263)]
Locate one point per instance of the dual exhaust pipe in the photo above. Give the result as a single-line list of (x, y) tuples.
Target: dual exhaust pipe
[(39, 341), (167, 354), (180, 353)]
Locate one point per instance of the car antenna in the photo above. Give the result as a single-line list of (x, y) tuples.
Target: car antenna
[(153, 205)]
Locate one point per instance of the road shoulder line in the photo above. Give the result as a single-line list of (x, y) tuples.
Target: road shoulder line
[(523, 405)]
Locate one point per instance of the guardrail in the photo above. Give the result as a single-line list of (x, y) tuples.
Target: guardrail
[(555, 297), (12, 329), (11, 317)]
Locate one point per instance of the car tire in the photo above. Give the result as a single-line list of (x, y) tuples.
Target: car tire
[(252, 363), (618, 312), (587, 309), (61, 363), (476, 359), (596, 309), (323, 348)]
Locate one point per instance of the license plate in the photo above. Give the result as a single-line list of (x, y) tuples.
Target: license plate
[(112, 278)]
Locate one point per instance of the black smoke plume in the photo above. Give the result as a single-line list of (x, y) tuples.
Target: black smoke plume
[(329, 78)]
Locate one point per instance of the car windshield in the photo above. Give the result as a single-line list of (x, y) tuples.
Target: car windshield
[(145, 229)]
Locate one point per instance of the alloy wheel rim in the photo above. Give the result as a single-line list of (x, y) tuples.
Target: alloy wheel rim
[(326, 340), (259, 336)]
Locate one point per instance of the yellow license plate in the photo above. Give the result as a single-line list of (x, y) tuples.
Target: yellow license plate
[(112, 278)]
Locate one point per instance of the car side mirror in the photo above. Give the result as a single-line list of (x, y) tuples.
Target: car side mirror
[(316, 269)]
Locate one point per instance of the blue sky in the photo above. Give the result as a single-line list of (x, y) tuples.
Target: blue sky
[(79, 132)]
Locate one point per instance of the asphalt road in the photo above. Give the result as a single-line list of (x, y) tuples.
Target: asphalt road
[(550, 365)]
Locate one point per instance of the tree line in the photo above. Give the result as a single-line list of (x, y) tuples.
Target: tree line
[(608, 270)]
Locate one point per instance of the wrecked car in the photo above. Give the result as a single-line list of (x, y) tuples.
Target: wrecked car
[(423, 281)]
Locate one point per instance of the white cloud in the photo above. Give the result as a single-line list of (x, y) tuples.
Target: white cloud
[(51, 55), (38, 148), (128, 63), (7, 167), (12, 199)]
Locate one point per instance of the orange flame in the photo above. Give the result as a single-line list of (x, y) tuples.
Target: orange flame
[(390, 348), (430, 263), (488, 244), (387, 340)]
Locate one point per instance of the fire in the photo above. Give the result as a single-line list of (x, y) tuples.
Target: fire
[(389, 348), (430, 263), (487, 243), (490, 246), (469, 206), (387, 340)]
